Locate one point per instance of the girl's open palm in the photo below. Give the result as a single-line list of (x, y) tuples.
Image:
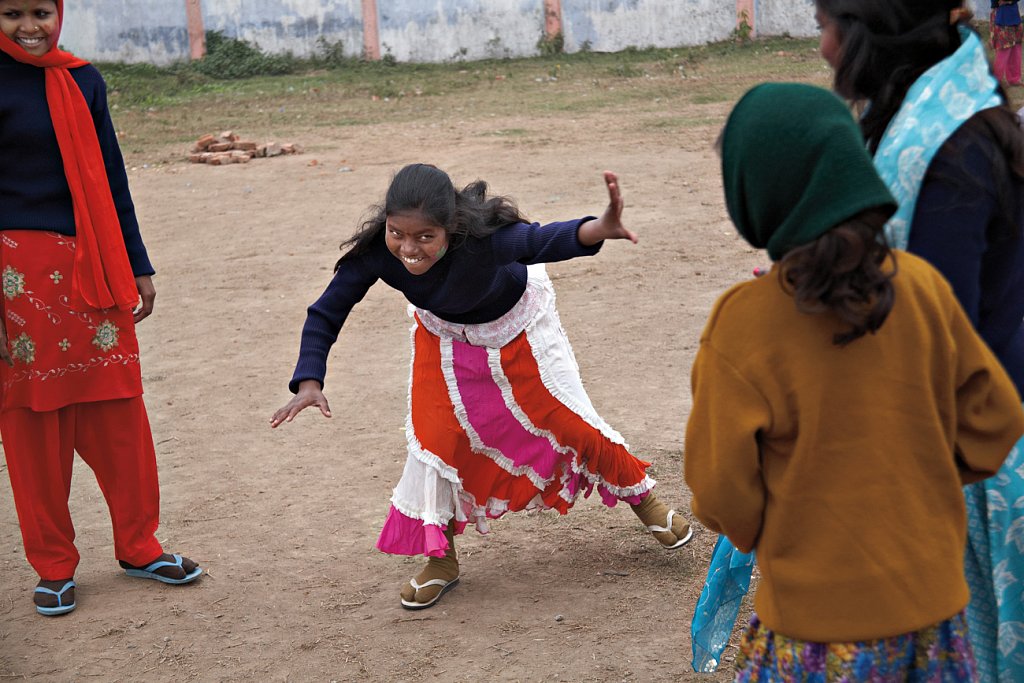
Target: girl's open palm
[(609, 226), (309, 394)]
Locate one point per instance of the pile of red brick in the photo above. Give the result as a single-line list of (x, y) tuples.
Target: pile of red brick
[(229, 148)]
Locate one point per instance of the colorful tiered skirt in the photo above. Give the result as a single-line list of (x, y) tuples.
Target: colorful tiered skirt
[(936, 654), (499, 422)]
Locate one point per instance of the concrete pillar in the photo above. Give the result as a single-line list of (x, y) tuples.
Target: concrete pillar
[(746, 6), (196, 31), (371, 32), (552, 18)]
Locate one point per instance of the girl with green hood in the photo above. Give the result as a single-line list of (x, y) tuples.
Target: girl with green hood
[(839, 404)]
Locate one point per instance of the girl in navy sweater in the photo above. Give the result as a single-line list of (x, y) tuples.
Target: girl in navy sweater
[(76, 280), (945, 141), (498, 417)]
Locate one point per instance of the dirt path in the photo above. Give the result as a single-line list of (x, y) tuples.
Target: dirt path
[(285, 520)]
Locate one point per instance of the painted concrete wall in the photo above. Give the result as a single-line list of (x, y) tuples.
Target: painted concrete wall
[(283, 25), (613, 25), (416, 30), (778, 17), (156, 31), (126, 30), (442, 30)]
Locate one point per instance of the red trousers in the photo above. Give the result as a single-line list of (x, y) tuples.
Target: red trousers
[(114, 439)]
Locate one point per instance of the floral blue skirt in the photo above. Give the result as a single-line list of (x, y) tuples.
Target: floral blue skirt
[(937, 654)]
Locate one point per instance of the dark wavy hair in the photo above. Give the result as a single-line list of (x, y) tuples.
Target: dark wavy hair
[(428, 190), (844, 271), (886, 45)]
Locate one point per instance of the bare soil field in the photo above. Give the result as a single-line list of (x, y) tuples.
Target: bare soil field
[(284, 521)]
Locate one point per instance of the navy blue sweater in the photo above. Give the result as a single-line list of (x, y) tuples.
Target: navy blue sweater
[(475, 282), (958, 227), (34, 192)]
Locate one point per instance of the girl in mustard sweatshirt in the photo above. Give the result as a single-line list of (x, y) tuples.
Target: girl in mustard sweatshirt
[(839, 404)]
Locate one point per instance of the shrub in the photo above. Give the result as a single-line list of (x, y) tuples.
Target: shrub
[(231, 58)]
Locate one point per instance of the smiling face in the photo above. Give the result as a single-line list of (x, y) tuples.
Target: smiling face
[(414, 241), (32, 24)]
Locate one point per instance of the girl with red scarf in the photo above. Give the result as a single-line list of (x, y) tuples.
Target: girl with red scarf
[(76, 279)]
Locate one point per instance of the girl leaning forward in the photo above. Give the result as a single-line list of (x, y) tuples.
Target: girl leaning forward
[(498, 418)]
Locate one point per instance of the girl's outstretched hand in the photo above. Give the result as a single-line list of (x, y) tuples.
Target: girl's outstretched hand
[(609, 225), (309, 394)]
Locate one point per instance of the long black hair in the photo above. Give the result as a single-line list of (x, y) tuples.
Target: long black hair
[(428, 190), (844, 271), (886, 45)]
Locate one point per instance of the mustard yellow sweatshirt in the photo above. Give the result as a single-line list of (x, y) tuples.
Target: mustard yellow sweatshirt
[(842, 466)]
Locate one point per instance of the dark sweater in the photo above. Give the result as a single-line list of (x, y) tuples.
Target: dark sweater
[(958, 228), (475, 282), (34, 192), (1005, 15)]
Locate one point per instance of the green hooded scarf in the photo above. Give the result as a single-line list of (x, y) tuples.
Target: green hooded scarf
[(794, 166)]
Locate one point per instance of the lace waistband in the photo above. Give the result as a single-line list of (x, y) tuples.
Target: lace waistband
[(538, 296)]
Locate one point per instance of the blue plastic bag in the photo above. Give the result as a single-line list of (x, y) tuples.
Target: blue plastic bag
[(715, 614)]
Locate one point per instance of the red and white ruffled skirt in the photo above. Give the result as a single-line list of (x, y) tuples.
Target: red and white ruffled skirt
[(499, 422)]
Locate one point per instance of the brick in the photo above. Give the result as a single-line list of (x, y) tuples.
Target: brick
[(247, 145), (204, 142), (220, 147)]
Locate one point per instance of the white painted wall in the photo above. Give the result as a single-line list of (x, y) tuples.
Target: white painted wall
[(779, 17), (156, 31), (126, 30), (445, 30), (417, 30), (613, 25), (287, 25)]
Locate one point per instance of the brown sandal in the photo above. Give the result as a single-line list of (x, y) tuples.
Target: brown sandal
[(439, 576)]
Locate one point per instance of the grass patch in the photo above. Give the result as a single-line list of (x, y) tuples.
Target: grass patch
[(174, 105)]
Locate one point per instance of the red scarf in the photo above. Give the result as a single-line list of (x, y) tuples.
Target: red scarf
[(102, 276)]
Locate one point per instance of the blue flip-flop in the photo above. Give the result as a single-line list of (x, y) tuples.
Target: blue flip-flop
[(60, 608), (149, 572)]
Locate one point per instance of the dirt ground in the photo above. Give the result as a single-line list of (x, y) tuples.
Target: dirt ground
[(284, 521)]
